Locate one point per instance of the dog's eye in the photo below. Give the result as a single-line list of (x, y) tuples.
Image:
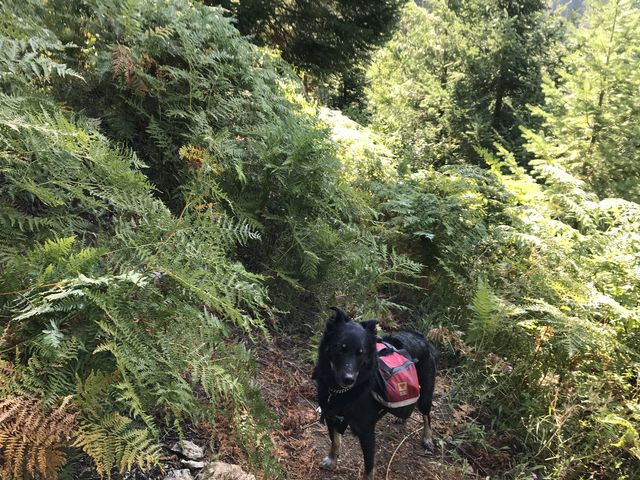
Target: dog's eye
[(344, 347), (360, 351)]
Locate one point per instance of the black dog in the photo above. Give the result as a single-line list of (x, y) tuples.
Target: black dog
[(347, 374)]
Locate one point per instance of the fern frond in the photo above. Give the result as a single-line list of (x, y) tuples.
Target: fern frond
[(32, 439), (484, 305), (28, 60), (114, 441), (123, 65)]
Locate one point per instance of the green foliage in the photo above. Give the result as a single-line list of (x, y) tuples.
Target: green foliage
[(408, 84), (112, 443), (321, 37), (224, 130), (484, 325), (535, 264), (365, 159), (590, 126), (459, 75), (555, 311), (99, 280), (140, 253), (330, 42), (128, 307), (28, 61), (366, 272)]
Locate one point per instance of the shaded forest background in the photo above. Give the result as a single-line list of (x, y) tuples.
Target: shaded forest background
[(180, 181)]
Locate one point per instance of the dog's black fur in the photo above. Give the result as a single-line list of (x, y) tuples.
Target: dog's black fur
[(346, 375)]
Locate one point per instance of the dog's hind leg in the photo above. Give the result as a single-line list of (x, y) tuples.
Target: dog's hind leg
[(331, 460), (426, 368), (427, 434)]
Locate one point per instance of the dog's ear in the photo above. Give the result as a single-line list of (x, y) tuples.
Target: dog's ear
[(339, 317), (370, 325)]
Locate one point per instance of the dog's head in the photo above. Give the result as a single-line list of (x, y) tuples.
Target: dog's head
[(347, 348)]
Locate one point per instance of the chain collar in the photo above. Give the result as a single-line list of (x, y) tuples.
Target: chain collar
[(340, 390)]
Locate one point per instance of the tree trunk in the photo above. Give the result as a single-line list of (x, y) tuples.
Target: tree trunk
[(596, 125), (497, 108)]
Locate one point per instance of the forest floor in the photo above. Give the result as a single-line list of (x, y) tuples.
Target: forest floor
[(302, 441)]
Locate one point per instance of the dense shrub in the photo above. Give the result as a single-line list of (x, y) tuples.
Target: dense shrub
[(535, 266), (549, 273), (125, 240), (114, 310), (220, 122), (107, 297)]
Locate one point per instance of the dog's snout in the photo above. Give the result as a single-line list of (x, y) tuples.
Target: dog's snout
[(348, 379)]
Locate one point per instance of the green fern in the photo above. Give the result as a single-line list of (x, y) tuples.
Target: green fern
[(23, 61), (483, 327), (111, 286), (115, 442)]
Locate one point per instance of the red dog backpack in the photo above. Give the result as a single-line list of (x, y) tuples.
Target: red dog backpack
[(400, 378)]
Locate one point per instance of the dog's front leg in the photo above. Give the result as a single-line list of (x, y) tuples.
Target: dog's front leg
[(331, 460), (368, 445)]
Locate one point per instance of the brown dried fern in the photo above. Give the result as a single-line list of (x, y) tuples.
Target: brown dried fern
[(444, 336), (123, 65), (31, 439)]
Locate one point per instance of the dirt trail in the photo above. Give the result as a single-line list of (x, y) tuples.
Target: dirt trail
[(301, 442)]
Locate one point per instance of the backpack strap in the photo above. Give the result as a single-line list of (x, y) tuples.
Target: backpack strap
[(385, 348)]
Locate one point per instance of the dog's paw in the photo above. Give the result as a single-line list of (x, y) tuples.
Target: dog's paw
[(427, 444), (329, 463)]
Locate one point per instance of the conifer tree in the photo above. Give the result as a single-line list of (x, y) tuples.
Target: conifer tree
[(591, 116), (507, 44), (320, 37), (410, 80), (469, 70)]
